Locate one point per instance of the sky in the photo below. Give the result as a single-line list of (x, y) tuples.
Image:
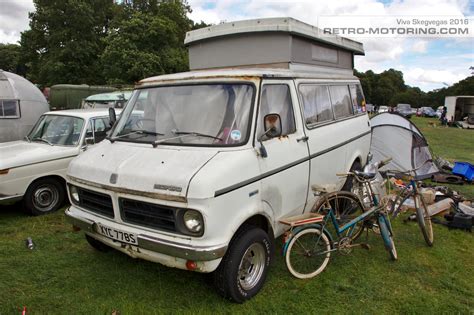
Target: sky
[(429, 63)]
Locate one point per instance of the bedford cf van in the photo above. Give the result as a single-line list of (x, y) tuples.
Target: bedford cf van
[(223, 152)]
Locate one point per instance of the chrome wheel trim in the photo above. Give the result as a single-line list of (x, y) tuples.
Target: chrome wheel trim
[(45, 197), (251, 266)]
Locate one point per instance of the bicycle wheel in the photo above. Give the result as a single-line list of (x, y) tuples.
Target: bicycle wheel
[(346, 206), (424, 221), (387, 237), (308, 253), (399, 201)]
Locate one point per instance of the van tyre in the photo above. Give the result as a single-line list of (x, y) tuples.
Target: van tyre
[(243, 270), (44, 196), (101, 247)]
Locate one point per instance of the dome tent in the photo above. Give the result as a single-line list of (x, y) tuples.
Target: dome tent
[(396, 137), (21, 104)]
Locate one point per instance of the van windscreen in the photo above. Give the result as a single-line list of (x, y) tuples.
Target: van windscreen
[(199, 114)]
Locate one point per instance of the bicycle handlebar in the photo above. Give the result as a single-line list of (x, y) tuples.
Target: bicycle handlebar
[(409, 172)]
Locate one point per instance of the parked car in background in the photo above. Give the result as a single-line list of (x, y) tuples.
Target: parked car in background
[(34, 169), (383, 109), (439, 111), (427, 112), (370, 108), (404, 110), (116, 99)]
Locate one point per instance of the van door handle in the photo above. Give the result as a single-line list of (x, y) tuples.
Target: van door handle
[(305, 138)]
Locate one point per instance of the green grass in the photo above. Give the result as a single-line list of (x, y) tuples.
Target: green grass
[(64, 275)]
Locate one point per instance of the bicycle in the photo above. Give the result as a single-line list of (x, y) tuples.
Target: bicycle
[(412, 191), (309, 244)]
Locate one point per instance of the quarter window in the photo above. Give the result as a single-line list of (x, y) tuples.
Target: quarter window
[(276, 99), (341, 101), (316, 103), (358, 100), (9, 109)]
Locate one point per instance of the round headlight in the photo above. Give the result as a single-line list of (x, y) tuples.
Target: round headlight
[(193, 221), (74, 193)]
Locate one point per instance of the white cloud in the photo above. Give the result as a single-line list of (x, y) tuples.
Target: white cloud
[(419, 46), (14, 19)]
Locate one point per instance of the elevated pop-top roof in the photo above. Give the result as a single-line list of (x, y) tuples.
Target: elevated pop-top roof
[(281, 25)]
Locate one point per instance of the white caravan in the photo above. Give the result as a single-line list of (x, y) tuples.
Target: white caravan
[(21, 104), (221, 155)]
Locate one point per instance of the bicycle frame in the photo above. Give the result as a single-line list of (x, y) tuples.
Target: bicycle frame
[(349, 225)]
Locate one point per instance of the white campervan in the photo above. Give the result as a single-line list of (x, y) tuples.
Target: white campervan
[(221, 155)]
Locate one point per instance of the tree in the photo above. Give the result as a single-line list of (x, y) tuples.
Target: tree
[(65, 41), (10, 59), (146, 39)]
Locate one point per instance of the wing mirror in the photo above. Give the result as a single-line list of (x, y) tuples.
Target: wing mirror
[(273, 129)]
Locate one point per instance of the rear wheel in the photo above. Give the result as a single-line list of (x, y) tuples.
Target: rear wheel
[(346, 207), (308, 253), (424, 221), (243, 270), (387, 237)]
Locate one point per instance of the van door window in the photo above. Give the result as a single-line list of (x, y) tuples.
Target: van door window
[(341, 101), (276, 99), (316, 103), (358, 100)]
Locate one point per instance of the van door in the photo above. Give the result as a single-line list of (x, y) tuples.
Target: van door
[(285, 170), (327, 132)]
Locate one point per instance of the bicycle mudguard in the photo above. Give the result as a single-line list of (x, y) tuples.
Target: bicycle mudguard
[(387, 223), (297, 230)]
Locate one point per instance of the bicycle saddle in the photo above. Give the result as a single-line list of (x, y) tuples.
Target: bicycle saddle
[(364, 175)]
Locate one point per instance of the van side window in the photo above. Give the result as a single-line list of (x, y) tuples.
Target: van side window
[(316, 103), (276, 99), (358, 100), (341, 101), (9, 109)]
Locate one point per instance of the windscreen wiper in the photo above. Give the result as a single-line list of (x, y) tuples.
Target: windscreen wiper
[(135, 132), (42, 140), (198, 134), (182, 134)]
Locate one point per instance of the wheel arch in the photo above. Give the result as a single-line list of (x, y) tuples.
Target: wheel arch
[(56, 177)]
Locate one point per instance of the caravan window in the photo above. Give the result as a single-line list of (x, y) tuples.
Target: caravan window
[(341, 101), (9, 109), (316, 103)]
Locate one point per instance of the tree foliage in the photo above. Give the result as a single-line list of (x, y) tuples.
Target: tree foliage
[(146, 39), (388, 88), (10, 59), (65, 40)]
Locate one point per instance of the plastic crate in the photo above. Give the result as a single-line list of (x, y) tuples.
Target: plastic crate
[(464, 169)]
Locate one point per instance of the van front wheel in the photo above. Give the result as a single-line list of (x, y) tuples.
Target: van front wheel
[(243, 270)]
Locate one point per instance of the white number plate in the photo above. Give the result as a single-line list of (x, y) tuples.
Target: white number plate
[(118, 235)]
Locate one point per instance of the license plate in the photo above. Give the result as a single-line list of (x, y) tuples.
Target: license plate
[(118, 235)]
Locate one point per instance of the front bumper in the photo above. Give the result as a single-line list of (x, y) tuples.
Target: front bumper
[(154, 244)]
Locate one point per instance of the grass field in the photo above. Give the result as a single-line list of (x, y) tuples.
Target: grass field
[(64, 275)]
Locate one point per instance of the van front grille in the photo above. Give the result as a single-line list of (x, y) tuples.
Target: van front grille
[(96, 202), (147, 214)]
